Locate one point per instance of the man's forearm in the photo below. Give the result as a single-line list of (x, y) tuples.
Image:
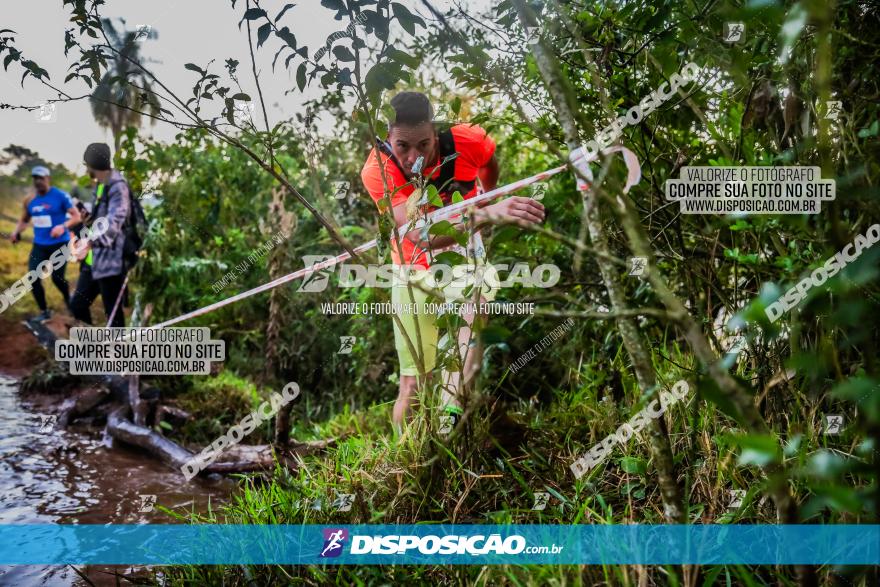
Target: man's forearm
[(435, 242), (73, 220)]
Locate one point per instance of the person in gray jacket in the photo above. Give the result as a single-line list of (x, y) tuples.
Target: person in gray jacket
[(103, 269)]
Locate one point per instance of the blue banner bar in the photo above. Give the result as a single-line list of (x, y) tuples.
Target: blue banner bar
[(439, 544)]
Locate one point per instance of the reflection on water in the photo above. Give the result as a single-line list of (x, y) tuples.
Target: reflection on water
[(50, 476)]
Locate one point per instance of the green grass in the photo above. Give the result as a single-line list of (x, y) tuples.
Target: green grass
[(489, 472)]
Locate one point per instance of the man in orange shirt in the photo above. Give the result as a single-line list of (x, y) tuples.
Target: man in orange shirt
[(388, 175)]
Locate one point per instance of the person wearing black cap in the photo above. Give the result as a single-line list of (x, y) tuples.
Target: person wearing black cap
[(452, 159), (103, 269), (47, 209)]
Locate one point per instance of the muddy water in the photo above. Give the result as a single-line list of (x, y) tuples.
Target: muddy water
[(51, 476)]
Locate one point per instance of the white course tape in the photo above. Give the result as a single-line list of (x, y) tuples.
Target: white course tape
[(577, 158)]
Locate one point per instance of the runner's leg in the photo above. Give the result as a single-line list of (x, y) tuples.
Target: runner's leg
[(453, 390), (87, 290), (58, 277), (407, 399), (409, 366), (37, 256)]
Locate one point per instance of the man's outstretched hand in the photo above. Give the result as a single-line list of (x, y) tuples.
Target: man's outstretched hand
[(515, 210)]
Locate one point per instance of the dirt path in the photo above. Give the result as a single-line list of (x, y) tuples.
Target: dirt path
[(19, 350)]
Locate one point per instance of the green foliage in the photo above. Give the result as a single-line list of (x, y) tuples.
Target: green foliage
[(217, 403), (757, 103)]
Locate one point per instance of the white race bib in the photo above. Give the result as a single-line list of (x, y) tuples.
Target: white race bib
[(42, 221)]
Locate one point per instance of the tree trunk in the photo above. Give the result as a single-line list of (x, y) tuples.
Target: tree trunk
[(280, 222), (116, 127), (661, 452)]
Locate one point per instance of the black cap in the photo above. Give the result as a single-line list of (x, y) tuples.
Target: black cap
[(97, 156), (411, 108)]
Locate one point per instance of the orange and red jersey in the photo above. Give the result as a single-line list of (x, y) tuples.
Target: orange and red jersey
[(474, 147)]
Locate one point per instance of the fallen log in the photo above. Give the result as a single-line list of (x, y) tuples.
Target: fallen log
[(306, 448), (256, 457), (234, 459), (121, 428), (243, 458), (82, 403), (172, 415)]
